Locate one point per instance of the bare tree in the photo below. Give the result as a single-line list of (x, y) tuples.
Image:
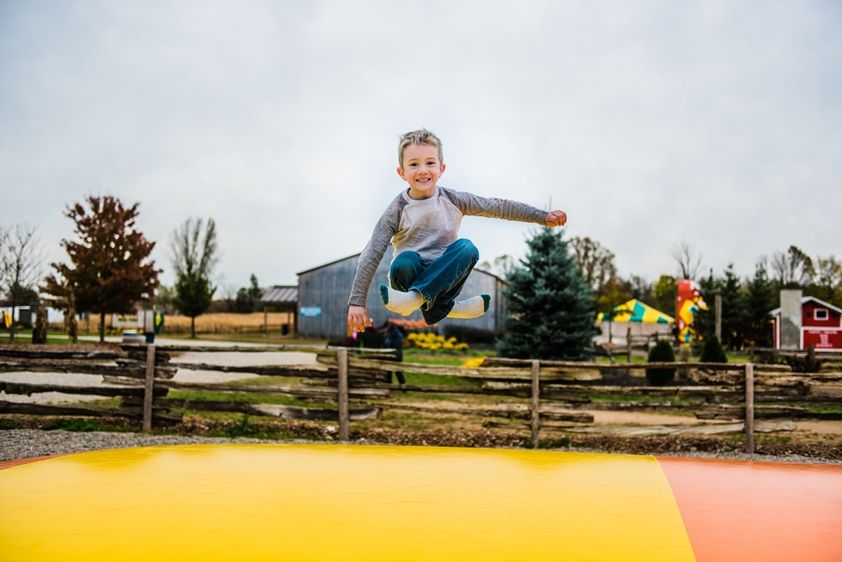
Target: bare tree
[(689, 260), (595, 261), (501, 266), (793, 269), (20, 265), (229, 296), (827, 283)]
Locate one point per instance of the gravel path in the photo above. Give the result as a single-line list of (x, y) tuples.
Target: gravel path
[(24, 443)]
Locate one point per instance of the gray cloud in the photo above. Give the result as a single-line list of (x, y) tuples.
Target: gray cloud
[(651, 123)]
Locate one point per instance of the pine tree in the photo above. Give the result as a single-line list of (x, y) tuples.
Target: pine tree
[(552, 310), (760, 299), (712, 351), (705, 323), (733, 310)]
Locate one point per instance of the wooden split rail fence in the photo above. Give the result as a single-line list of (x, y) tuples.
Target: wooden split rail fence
[(141, 375)]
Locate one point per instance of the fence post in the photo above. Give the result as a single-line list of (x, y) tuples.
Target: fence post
[(749, 425), (536, 401), (628, 345), (149, 389), (342, 399)]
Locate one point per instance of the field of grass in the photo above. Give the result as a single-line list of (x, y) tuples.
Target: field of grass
[(227, 323)]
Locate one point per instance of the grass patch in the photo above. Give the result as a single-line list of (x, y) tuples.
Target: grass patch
[(54, 337), (641, 399), (10, 424), (621, 358), (242, 428), (249, 337), (243, 425), (82, 425), (453, 359), (562, 442), (267, 380), (424, 379), (818, 408), (245, 397)]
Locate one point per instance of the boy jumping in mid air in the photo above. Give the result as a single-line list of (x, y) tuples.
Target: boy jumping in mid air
[(431, 263)]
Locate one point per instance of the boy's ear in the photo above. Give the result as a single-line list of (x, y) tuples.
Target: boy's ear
[(443, 166), (399, 170)]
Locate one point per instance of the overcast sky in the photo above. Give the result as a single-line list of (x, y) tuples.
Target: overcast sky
[(717, 124)]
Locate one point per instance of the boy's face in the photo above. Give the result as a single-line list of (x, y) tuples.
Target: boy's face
[(421, 169)]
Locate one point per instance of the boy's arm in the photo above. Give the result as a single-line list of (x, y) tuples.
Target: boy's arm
[(506, 209), (367, 265)]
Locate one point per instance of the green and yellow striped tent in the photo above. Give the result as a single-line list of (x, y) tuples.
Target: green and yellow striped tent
[(636, 311)]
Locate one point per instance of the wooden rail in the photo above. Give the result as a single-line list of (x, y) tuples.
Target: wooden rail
[(342, 375)]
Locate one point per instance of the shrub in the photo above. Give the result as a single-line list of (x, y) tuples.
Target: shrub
[(807, 364), (712, 351), (371, 338), (469, 334), (661, 353)]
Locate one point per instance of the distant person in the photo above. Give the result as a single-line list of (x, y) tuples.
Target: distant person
[(393, 337), (431, 263)]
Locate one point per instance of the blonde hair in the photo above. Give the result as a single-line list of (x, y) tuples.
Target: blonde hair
[(421, 136)]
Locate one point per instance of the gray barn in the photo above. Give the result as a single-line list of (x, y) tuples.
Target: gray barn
[(323, 298)]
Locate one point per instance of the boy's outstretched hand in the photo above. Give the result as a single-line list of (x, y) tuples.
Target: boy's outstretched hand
[(556, 218), (358, 318)]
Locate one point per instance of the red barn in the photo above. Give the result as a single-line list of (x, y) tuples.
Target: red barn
[(821, 325)]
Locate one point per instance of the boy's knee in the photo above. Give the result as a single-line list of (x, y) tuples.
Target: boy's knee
[(404, 270), (467, 247), (406, 261)]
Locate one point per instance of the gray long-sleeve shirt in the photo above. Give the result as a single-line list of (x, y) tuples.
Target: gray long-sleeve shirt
[(429, 226)]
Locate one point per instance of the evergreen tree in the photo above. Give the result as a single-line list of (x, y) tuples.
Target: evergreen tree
[(705, 322), (733, 310), (248, 298), (661, 353), (760, 299), (194, 256), (712, 351), (551, 307), (663, 294)]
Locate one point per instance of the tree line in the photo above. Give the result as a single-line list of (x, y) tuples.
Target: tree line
[(550, 304), (746, 302), (109, 269)]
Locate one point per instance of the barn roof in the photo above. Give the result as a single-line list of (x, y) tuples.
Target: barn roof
[(280, 294), (329, 263), (807, 299)]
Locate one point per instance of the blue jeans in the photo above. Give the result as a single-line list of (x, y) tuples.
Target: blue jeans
[(439, 281)]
